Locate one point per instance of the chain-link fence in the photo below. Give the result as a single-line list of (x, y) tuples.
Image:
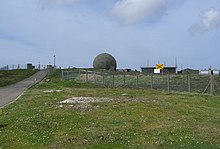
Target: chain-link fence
[(168, 82)]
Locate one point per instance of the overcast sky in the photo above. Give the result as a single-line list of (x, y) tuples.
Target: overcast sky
[(133, 31)]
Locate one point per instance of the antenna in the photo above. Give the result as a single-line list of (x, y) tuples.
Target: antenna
[(54, 61), (176, 62)]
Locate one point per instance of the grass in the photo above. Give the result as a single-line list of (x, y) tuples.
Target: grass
[(141, 119), (8, 77)]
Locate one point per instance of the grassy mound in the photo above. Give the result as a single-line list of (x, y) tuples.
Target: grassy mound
[(8, 77)]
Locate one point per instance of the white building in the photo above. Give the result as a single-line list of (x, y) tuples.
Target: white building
[(209, 72)]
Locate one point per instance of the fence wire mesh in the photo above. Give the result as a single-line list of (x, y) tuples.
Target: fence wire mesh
[(168, 82)]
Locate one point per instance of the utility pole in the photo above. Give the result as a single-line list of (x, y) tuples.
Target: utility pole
[(176, 65), (39, 65), (54, 61), (176, 62)]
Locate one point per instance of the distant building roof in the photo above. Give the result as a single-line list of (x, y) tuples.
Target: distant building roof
[(191, 71), (150, 69), (154, 67)]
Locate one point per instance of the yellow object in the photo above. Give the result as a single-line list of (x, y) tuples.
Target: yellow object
[(160, 66)]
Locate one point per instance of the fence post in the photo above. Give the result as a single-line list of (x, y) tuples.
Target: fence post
[(68, 77), (124, 77), (113, 79), (94, 77), (79, 74), (168, 82), (136, 79), (151, 82), (86, 75), (189, 81), (62, 75), (212, 84)]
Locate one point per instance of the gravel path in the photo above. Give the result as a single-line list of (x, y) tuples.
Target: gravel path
[(11, 93)]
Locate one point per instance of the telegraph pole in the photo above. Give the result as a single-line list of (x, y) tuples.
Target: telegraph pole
[(176, 61), (54, 61)]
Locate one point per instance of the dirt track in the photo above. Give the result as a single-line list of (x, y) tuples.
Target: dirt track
[(11, 93)]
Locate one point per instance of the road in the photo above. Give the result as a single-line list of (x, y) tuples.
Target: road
[(11, 93)]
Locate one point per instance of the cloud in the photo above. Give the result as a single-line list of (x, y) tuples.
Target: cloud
[(135, 11), (210, 21)]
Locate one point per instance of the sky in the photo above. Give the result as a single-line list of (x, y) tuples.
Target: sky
[(137, 33)]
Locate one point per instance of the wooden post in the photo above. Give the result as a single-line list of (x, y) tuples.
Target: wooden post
[(79, 74), (136, 79), (168, 82), (62, 75), (124, 77), (189, 81), (86, 75), (151, 82), (212, 84), (68, 76), (113, 79), (103, 78), (95, 77)]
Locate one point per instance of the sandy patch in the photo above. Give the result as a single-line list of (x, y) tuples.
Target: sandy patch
[(85, 103), (83, 100)]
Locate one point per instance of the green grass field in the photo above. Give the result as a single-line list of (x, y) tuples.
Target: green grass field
[(8, 77), (135, 118)]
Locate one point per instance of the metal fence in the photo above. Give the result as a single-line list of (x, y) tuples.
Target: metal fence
[(193, 83)]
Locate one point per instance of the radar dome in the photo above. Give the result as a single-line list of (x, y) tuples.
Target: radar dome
[(105, 61)]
